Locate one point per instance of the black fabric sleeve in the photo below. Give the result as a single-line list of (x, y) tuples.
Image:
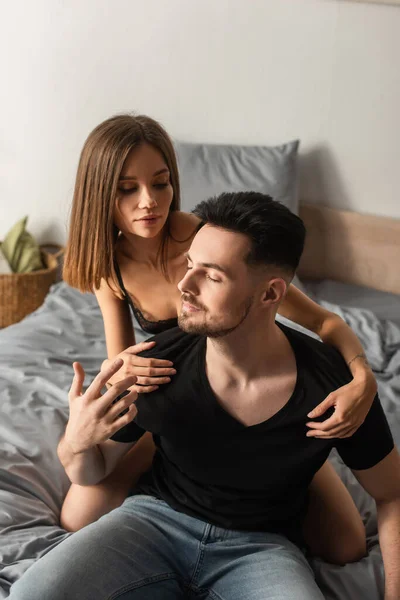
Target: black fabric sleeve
[(133, 432), (128, 434), (371, 442), (169, 344)]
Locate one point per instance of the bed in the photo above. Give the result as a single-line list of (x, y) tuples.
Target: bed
[(35, 374)]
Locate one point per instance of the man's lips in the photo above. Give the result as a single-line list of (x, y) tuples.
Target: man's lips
[(186, 306)]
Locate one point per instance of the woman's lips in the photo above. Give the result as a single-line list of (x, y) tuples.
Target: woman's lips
[(149, 220)]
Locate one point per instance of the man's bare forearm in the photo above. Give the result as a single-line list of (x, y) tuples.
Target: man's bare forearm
[(83, 468), (389, 539)]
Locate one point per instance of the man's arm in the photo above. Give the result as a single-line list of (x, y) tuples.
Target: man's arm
[(85, 451), (92, 465), (382, 482)]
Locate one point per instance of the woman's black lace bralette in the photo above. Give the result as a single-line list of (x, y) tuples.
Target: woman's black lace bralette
[(152, 327)]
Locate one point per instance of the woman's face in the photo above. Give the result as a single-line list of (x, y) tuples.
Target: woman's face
[(144, 193)]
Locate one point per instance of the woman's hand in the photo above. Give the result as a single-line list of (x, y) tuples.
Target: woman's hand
[(150, 372), (351, 405)]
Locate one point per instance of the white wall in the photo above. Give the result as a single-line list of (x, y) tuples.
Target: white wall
[(237, 71)]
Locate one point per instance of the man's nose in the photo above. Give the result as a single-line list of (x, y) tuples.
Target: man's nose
[(187, 284)]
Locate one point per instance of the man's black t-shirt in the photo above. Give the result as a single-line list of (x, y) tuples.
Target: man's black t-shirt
[(211, 466)]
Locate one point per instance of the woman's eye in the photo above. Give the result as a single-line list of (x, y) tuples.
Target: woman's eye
[(127, 191), (160, 186)]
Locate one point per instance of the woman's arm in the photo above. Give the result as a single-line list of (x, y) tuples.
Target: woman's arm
[(120, 340), (330, 327), (353, 401), (117, 321)]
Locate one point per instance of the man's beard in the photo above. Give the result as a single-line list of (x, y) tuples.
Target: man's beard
[(208, 329)]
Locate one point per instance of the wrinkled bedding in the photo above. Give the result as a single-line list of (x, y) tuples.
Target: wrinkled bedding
[(35, 374)]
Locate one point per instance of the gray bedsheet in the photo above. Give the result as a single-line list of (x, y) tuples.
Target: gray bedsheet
[(35, 374)]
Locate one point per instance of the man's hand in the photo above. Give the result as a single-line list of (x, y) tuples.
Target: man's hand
[(94, 418)]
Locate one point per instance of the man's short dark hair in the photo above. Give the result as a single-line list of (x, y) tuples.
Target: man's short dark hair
[(276, 234)]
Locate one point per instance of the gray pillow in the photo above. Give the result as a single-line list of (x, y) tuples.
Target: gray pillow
[(208, 169)]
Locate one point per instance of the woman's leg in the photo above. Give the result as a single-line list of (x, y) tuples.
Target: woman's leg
[(86, 504), (333, 527)]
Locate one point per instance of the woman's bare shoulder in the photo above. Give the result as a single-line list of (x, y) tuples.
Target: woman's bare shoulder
[(108, 291), (183, 225)]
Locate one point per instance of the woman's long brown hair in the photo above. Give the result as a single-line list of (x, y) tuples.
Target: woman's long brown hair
[(90, 252)]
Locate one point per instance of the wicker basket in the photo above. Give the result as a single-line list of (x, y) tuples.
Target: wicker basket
[(22, 293)]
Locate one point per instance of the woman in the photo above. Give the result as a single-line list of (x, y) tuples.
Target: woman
[(127, 244)]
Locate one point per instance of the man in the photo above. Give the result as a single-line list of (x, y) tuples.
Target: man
[(219, 514)]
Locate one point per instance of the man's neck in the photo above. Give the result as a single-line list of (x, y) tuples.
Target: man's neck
[(249, 352)]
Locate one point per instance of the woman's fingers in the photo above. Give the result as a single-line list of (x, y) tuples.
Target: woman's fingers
[(153, 380), (148, 362), (319, 410), (336, 420), (140, 347), (145, 389), (152, 371), (338, 432), (148, 374), (330, 423), (338, 425)]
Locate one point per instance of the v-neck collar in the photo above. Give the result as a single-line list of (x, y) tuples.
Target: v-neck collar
[(220, 412)]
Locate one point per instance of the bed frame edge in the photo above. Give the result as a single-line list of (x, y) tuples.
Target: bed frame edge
[(351, 247)]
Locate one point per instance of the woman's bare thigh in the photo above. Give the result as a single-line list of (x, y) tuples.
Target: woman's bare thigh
[(333, 527)]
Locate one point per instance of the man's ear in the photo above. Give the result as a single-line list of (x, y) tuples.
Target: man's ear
[(275, 291)]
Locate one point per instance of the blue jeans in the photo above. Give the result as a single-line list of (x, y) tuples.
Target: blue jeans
[(145, 550)]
